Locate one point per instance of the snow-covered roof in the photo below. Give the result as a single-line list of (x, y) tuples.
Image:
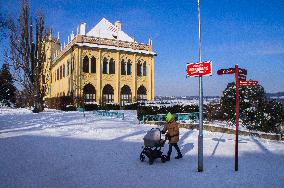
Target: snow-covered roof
[(115, 48), (105, 29)]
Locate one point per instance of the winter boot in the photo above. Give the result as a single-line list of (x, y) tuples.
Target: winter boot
[(168, 158), (178, 156)]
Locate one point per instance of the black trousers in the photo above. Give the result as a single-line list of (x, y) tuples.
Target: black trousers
[(171, 148)]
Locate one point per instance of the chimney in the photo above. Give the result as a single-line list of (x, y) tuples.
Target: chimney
[(50, 35), (82, 28), (118, 25), (72, 36), (150, 44)]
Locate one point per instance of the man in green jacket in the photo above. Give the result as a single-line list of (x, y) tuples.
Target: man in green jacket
[(172, 129)]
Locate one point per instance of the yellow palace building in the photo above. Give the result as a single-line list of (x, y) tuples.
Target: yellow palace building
[(104, 65)]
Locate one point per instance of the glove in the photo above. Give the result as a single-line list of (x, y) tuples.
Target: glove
[(167, 136)]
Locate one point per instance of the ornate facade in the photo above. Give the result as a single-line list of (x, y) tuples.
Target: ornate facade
[(104, 65)]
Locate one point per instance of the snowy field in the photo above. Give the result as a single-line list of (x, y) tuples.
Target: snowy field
[(65, 149)]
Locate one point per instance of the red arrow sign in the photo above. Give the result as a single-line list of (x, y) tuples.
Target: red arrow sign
[(243, 71), (248, 83), (199, 69), (242, 77), (231, 71), (226, 71)]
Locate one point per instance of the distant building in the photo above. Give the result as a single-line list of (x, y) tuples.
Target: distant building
[(104, 65)]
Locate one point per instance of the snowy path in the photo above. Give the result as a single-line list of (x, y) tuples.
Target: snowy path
[(57, 149)]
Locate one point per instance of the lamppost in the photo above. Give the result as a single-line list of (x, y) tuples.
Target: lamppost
[(200, 135)]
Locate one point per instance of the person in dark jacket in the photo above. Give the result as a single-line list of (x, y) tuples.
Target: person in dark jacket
[(171, 129)]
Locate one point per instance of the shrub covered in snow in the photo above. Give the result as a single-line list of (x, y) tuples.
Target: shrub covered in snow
[(59, 103)]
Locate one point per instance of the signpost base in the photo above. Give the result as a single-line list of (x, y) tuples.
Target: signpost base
[(200, 153)]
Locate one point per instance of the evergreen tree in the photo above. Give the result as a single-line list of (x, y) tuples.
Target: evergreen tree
[(256, 112), (250, 99), (7, 89)]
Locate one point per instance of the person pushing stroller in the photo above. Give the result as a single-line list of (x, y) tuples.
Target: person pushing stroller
[(171, 129)]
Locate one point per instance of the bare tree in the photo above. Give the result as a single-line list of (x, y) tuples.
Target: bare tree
[(27, 55)]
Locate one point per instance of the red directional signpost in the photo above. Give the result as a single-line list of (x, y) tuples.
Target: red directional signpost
[(240, 77)]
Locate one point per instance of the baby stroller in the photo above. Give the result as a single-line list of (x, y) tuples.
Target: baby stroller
[(152, 146)]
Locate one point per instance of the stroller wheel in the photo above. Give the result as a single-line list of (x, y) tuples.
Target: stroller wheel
[(142, 157), (163, 158), (151, 161)]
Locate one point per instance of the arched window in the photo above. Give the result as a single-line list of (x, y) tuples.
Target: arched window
[(63, 71), (86, 64), (125, 95), (144, 68), (139, 67), (72, 66), (111, 66), (141, 93), (89, 93), (129, 67), (93, 65), (105, 66), (123, 67), (108, 94), (68, 68)]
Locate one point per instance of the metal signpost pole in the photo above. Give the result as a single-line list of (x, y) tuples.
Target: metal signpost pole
[(237, 116), (200, 135)]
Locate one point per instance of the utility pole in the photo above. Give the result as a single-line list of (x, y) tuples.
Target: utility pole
[(200, 135)]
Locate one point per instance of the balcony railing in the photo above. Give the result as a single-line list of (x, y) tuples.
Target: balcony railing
[(112, 42)]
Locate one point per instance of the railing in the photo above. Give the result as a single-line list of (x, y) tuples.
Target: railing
[(158, 117), (80, 109), (178, 116), (101, 41), (109, 114), (187, 116), (112, 42)]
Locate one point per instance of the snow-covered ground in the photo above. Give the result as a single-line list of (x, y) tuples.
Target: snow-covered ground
[(66, 149)]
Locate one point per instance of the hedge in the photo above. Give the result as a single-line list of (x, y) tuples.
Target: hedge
[(60, 103)]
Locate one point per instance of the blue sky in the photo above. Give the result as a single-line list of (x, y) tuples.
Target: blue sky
[(244, 32)]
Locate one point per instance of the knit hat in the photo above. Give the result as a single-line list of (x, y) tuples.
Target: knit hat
[(169, 117)]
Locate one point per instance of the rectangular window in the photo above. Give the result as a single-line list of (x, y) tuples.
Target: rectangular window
[(129, 67), (105, 65), (57, 74)]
